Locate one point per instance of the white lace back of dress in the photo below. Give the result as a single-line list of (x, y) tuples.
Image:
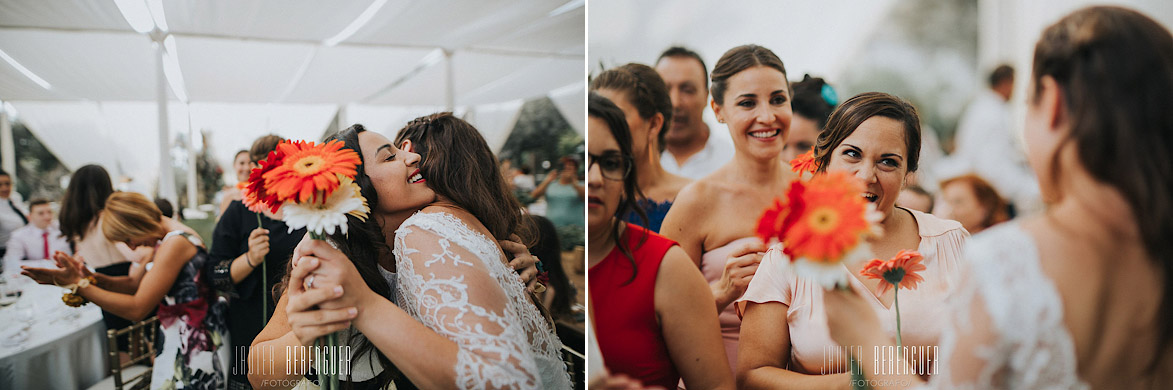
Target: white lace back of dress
[(1011, 309), (502, 344)]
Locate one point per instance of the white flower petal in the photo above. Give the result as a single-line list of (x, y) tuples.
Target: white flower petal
[(825, 274)]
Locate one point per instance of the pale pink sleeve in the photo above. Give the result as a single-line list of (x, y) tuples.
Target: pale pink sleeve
[(948, 257), (773, 281)]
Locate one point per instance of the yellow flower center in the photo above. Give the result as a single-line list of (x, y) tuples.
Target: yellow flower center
[(308, 165), (823, 220)]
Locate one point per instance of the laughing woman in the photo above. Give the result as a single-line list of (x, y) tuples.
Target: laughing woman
[(192, 322), (875, 137), (713, 217)]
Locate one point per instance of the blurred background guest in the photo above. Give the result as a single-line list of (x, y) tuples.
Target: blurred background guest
[(689, 150), (36, 241), (915, 197), (12, 213), (973, 202), (565, 201), (559, 296), (985, 144), (813, 102), (242, 167), (164, 206)]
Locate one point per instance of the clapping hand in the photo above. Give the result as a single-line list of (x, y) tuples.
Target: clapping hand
[(68, 271)]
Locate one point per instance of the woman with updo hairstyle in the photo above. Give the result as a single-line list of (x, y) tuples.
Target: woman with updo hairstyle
[(715, 217), (1080, 296), (640, 92), (876, 138), (814, 100), (193, 329)]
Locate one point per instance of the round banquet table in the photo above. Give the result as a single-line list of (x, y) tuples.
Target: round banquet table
[(64, 347)]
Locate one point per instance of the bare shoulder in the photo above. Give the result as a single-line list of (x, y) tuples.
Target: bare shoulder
[(176, 249), (695, 198), (679, 273)]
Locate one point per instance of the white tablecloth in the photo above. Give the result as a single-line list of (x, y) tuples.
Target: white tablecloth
[(65, 349)]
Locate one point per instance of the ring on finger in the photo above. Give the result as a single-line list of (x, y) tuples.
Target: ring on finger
[(309, 282)]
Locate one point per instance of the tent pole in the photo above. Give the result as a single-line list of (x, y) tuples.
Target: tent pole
[(192, 189), (7, 146), (449, 88), (166, 186)]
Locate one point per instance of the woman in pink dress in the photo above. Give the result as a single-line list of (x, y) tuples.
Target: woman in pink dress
[(876, 137), (714, 218)]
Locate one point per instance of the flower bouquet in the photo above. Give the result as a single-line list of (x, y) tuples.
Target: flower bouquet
[(822, 224), (313, 186)]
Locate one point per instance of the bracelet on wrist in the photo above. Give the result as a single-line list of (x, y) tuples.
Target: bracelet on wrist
[(249, 260)]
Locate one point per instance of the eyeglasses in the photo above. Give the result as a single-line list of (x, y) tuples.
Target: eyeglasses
[(613, 166)]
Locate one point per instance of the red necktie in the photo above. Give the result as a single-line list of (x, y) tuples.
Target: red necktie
[(45, 236)]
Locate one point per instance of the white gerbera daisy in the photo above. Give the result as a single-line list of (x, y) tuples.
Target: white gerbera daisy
[(323, 218), (827, 275)]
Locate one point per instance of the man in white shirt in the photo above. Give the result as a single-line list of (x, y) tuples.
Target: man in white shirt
[(985, 145), (35, 241), (690, 151), (12, 214)]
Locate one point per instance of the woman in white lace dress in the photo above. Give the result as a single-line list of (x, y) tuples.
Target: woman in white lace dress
[(463, 318), (1078, 297)]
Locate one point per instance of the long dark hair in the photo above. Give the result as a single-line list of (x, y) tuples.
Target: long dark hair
[(813, 99), (549, 249), (603, 108), (364, 244), (1114, 68), (459, 165), (84, 199)]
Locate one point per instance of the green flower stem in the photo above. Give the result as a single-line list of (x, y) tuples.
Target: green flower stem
[(896, 303), (333, 350), (264, 284), (327, 381), (318, 363)]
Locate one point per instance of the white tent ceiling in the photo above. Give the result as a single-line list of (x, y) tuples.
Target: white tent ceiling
[(260, 66)]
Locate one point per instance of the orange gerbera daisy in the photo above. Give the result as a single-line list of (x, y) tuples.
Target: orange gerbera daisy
[(255, 195), (900, 271), (770, 224), (310, 171), (827, 217), (804, 163)]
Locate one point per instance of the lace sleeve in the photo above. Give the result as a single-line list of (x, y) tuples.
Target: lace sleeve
[(445, 283), (1006, 326)]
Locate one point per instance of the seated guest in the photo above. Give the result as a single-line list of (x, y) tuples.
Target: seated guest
[(192, 336), (12, 216), (35, 241)]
